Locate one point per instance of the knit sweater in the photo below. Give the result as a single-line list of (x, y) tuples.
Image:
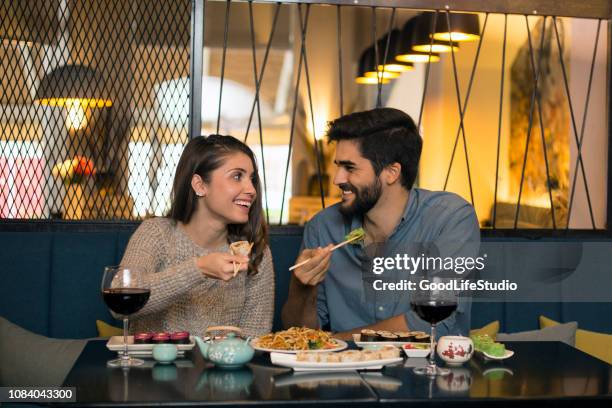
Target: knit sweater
[(182, 297)]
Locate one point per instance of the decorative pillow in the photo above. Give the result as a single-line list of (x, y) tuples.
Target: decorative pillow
[(596, 344), (106, 330), (490, 329), (563, 332), (29, 359)]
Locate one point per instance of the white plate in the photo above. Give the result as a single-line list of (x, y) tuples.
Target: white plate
[(507, 354), (115, 343), (290, 360), (416, 352), (358, 342), (341, 346)]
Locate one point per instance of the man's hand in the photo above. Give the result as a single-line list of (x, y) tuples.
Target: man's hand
[(313, 272)]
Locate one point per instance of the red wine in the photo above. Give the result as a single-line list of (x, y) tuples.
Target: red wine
[(125, 301), (434, 311)]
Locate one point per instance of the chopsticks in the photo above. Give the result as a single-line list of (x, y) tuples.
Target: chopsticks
[(332, 249)]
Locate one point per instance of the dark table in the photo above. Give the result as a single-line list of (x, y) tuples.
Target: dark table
[(546, 373)]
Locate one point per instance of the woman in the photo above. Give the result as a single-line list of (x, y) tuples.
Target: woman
[(216, 200)]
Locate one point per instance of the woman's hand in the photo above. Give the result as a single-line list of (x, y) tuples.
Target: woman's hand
[(220, 265)]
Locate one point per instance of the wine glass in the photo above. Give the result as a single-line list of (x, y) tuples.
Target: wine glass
[(433, 303), (124, 294)]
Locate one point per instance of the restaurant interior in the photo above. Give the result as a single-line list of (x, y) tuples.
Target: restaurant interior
[(99, 97)]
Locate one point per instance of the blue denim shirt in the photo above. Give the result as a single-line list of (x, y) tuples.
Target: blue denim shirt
[(344, 302)]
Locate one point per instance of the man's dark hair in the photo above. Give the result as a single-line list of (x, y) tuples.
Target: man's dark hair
[(384, 136)]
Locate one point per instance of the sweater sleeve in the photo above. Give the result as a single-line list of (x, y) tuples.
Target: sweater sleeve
[(258, 311), (146, 250)]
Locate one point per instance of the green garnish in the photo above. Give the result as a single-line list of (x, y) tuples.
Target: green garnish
[(315, 344), (355, 235)]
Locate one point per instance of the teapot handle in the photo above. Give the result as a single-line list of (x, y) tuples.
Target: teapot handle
[(224, 328)]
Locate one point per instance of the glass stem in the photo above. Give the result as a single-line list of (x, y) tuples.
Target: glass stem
[(125, 357), (432, 353)]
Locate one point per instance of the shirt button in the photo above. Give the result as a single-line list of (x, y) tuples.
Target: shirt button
[(380, 308)]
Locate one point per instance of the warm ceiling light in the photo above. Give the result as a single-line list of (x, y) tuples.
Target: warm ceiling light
[(367, 69), (75, 87), (396, 67), (466, 27), (404, 51), (421, 38), (370, 80), (381, 74), (418, 57)]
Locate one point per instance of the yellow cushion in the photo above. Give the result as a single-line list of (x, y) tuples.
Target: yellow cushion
[(596, 344), (106, 330), (491, 329)]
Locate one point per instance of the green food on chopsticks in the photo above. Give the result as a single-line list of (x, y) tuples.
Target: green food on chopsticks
[(355, 235)]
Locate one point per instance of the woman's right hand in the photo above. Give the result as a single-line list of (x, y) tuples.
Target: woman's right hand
[(220, 265)]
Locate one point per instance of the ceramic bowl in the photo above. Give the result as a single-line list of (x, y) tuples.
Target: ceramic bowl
[(165, 353), (455, 350)]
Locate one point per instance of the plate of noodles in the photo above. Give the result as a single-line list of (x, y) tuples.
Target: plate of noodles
[(298, 339)]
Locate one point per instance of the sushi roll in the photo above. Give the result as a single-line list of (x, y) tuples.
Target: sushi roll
[(160, 338), (389, 352), (143, 338), (368, 355), (421, 338), (308, 356), (180, 337), (350, 356), (404, 336), (389, 337), (369, 335), (332, 358)]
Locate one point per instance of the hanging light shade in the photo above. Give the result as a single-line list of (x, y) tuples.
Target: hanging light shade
[(466, 27), (23, 22), (404, 51), (367, 73), (391, 64), (72, 83), (421, 38)]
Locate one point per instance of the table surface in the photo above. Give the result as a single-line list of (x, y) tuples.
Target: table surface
[(538, 371)]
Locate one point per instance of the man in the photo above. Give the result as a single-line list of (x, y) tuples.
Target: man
[(377, 154)]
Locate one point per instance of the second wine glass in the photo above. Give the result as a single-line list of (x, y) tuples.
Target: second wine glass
[(433, 304), (124, 293)]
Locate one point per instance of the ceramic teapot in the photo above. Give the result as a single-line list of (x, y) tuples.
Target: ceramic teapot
[(229, 352)]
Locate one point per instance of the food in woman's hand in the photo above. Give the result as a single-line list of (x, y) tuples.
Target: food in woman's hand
[(242, 248), (297, 338)]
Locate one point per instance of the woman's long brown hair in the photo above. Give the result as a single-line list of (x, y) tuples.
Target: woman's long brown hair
[(201, 156)]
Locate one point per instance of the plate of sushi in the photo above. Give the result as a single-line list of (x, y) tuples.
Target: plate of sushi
[(490, 349), (142, 344), (347, 360), (369, 337)]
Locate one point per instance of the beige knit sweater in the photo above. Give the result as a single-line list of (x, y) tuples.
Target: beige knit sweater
[(182, 298)]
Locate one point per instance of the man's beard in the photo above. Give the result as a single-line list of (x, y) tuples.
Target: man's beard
[(365, 198)]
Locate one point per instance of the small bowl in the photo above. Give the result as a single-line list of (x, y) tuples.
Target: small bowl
[(415, 350), (455, 350), (165, 353)]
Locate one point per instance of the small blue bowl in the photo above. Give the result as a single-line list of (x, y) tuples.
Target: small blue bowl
[(165, 353)]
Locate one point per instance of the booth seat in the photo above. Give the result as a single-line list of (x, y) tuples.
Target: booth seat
[(51, 272)]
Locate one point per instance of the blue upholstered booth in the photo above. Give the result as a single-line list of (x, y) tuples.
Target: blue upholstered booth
[(50, 280)]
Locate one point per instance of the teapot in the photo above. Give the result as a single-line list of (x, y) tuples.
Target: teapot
[(229, 352)]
